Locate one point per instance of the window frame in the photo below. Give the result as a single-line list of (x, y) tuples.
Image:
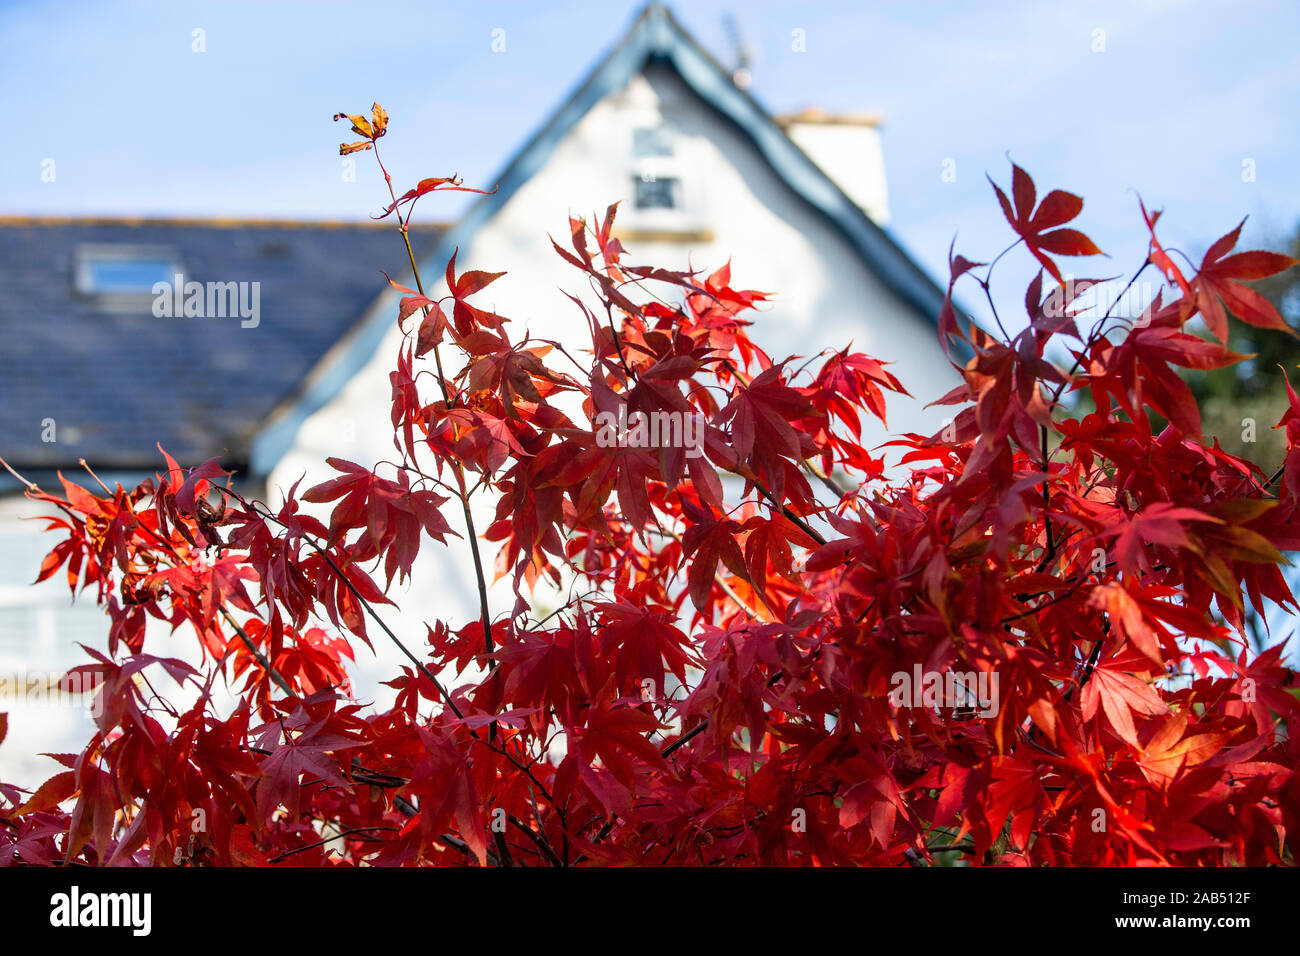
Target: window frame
[(88, 254), (660, 140), (674, 186)]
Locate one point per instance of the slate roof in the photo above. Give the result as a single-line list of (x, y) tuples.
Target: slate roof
[(115, 382)]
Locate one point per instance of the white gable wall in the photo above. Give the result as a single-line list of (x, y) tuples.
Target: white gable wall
[(824, 293)]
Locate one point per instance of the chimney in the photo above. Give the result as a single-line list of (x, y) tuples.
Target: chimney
[(847, 148)]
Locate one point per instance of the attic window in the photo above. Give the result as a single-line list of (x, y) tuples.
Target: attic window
[(656, 192), (123, 271), (652, 141)]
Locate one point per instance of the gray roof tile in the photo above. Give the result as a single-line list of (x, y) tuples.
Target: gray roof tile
[(117, 382)]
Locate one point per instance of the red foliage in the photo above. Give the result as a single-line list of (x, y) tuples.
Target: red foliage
[(725, 686)]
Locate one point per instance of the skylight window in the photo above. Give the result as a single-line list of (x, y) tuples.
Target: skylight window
[(125, 271)]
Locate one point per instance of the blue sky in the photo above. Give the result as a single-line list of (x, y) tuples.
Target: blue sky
[(1184, 92)]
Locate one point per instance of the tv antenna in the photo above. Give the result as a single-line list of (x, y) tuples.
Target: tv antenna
[(742, 54)]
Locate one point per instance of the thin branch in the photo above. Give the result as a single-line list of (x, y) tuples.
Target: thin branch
[(257, 653), (457, 468), (319, 843)]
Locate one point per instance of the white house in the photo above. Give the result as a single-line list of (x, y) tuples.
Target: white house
[(704, 175)]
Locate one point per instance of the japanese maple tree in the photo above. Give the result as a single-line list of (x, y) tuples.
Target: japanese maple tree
[(719, 683)]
